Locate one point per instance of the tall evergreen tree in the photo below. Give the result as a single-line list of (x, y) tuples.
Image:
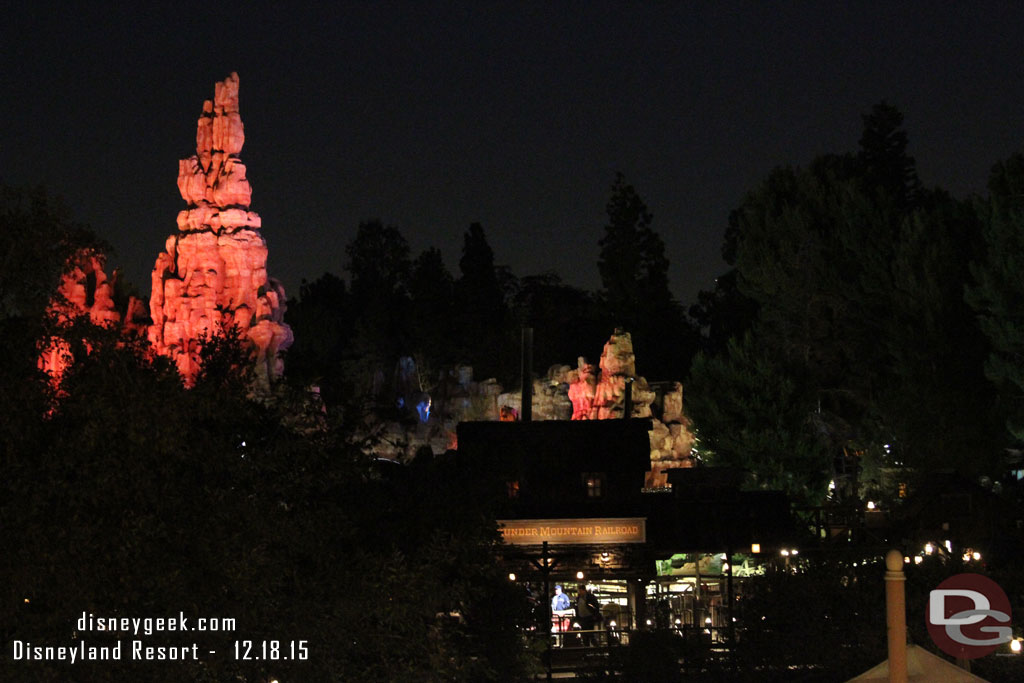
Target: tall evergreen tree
[(636, 294), (485, 329), (431, 288), (883, 153), (378, 266), (856, 274), (632, 261), (997, 294), (321, 320)]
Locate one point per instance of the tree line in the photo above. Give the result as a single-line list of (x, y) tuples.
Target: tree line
[(867, 322)]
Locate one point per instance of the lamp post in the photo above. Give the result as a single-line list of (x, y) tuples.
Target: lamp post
[(896, 616)]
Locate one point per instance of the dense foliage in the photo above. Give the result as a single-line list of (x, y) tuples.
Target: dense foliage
[(849, 283), (127, 495)]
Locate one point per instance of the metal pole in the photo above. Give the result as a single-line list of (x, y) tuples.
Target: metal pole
[(731, 597), (546, 569), (526, 405)]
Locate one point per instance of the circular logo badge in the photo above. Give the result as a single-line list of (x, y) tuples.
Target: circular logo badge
[(968, 616)]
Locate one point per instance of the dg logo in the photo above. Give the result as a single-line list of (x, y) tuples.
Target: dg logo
[(968, 616)]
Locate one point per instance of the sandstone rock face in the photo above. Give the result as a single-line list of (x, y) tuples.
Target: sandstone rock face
[(85, 289), (601, 396), (583, 393), (212, 274)]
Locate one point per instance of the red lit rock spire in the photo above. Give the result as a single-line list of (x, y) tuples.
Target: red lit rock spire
[(213, 272)]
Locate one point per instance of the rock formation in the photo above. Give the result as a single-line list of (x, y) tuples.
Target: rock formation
[(213, 272), (85, 290), (601, 396)]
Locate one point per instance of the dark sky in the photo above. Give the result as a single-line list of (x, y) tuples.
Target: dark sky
[(431, 116)]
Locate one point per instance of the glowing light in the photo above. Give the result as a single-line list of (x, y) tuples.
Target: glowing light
[(871, 505), (26, 601), (906, 560), (755, 547), (918, 559), (423, 408), (725, 566), (648, 622), (976, 556), (949, 546), (579, 575), (929, 548), (1015, 645), (511, 576), (784, 552), (612, 624), (832, 485), (707, 621), (795, 551)]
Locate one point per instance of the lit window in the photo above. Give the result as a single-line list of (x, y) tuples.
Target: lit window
[(513, 488), (594, 483)]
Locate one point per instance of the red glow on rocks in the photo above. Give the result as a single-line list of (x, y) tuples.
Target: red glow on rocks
[(212, 274)]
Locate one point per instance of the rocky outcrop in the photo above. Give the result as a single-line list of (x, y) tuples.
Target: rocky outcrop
[(212, 274), (602, 396), (85, 290)]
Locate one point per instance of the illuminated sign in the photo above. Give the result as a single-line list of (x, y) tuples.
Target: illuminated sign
[(574, 531)]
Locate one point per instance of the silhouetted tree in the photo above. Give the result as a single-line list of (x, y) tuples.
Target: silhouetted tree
[(636, 295), (566, 321), (37, 237), (431, 288), (857, 276), (483, 324), (321, 320), (883, 153), (754, 413), (379, 268), (997, 294)]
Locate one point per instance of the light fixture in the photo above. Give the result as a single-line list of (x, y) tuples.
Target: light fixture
[(784, 552), (579, 575), (1015, 645), (511, 576), (871, 505), (755, 547), (976, 556), (918, 559)]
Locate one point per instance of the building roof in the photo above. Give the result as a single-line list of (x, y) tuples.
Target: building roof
[(922, 666)]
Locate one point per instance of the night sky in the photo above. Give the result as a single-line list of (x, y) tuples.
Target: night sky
[(516, 115)]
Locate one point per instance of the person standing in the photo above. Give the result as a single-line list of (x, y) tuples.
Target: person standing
[(588, 613), (560, 602)]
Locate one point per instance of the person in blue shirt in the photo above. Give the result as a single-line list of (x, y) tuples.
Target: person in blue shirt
[(560, 601)]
